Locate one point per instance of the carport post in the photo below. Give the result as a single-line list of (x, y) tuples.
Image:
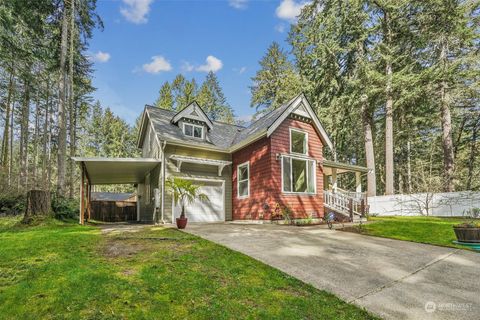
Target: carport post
[(82, 183), (89, 192)]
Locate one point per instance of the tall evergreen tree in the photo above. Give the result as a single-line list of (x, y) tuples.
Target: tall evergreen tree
[(276, 82), (165, 98), (450, 31), (212, 99)]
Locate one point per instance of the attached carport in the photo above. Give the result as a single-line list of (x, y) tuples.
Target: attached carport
[(104, 171)]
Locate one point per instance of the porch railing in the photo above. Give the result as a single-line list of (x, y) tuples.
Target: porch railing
[(345, 204)]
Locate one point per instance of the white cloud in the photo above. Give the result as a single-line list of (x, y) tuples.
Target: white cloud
[(212, 64), (238, 4), (157, 65), (289, 9), (240, 70), (136, 11), (187, 67), (280, 28), (101, 56)]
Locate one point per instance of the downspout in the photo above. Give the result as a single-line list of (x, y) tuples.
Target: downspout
[(162, 173)]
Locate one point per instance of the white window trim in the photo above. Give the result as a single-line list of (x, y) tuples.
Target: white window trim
[(291, 175), (248, 180), (306, 141), (193, 129)]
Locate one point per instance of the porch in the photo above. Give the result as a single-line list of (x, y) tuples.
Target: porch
[(351, 203)]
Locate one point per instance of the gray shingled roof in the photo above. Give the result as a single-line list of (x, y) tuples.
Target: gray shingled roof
[(262, 123), (221, 136)]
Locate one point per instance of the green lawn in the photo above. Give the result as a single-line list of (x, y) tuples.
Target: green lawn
[(59, 270), (430, 230)]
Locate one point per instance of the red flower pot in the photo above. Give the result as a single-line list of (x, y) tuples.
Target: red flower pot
[(182, 223)]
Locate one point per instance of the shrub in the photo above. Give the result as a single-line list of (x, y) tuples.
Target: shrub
[(64, 208), (12, 204)]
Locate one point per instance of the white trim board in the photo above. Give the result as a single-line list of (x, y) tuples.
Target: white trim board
[(298, 102), (187, 113)]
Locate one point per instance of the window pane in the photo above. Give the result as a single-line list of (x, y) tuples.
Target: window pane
[(299, 175), (197, 132), (243, 173), (299, 142), (311, 176), (188, 130), (243, 188), (287, 183)]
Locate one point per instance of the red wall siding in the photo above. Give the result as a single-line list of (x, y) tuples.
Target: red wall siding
[(301, 205), (265, 176), (261, 187)]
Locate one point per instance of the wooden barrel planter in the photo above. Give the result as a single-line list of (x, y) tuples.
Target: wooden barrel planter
[(467, 234)]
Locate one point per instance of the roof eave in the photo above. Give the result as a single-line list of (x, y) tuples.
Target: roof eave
[(345, 166)]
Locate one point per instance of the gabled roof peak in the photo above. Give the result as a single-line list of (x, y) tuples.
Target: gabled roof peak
[(195, 112)]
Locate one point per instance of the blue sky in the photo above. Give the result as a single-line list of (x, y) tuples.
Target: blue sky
[(145, 43)]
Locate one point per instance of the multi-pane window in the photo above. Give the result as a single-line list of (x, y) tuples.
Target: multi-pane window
[(243, 180), (298, 141), (192, 130), (298, 175)]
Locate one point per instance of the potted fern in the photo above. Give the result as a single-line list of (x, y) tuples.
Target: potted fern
[(184, 192)]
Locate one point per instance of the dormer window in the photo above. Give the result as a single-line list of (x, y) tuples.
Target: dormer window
[(193, 130)]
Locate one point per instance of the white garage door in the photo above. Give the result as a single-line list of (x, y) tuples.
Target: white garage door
[(207, 211)]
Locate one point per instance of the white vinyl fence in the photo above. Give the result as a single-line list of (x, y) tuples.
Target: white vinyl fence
[(432, 204)]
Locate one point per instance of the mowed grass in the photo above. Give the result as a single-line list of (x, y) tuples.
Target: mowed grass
[(66, 271), (431, 230)]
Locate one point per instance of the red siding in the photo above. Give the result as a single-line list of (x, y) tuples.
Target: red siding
[(261, 187), (266, 180)]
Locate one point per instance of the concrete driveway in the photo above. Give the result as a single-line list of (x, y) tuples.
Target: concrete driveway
[(393, 279)]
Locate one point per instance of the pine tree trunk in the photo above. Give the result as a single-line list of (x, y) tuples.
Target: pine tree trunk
[(62, 124), (409, 168), (6, 130), (24, 137), (45, 138), (10, 165), (389, 174), (49, 157), (72, 109), (38, 204), (369, 151), (35, 141), (473, 153), (447, 140)]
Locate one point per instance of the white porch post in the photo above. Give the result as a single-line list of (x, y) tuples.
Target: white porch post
[(334, 179), (358, 180)]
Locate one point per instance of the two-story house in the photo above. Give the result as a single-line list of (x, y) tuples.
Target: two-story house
[(246, 172)]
